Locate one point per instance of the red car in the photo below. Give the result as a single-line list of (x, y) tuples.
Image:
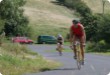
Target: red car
[(22, 40)]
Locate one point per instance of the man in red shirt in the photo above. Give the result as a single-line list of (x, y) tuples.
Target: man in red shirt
[(77, 32)]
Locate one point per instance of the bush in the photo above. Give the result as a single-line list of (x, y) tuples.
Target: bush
[(61, 1), (104, 27), (79, 6), (101, 46), (90, 23)]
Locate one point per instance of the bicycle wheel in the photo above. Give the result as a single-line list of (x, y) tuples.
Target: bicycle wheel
[(78, 60), (60, 53)]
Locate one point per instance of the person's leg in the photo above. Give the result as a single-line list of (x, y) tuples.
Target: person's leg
[(82, 46), (74, 46), (57, 46), (60, 48)]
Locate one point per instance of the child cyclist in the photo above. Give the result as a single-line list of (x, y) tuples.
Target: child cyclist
[(60, 42)]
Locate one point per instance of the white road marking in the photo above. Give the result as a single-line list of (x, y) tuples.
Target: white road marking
[(92, 67)]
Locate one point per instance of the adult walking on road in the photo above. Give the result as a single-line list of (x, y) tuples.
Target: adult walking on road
[(77, 33)]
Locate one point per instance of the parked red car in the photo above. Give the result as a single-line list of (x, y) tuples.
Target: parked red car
[(22, 40)]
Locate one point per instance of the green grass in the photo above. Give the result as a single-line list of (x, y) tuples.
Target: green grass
[(67, 43), (102, 53), (48, 18), (97, 7), (16, 59)]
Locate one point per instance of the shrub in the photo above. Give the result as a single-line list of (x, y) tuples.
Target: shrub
[(104, 27), (61, 1), (90, 23), (79, 6), (100, 46)]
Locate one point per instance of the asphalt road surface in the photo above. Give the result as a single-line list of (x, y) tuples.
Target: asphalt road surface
[(94, 64)]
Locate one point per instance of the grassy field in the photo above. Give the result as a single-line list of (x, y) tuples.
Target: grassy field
[(97, 5), (16, 59), (47, 17)]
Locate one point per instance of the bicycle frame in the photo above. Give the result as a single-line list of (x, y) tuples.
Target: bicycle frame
[(78, 53), (60, 48)]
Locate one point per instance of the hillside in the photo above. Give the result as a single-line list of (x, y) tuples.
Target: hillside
[(97, 5), (47, 17)]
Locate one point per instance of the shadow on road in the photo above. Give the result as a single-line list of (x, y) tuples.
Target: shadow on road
[(63, 69), (66, 69)]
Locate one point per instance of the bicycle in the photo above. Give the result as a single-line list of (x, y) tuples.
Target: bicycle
[(59, 49), (78, 55)]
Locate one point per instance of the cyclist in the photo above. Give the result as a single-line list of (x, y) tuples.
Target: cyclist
[(77, 32), (60, 41)]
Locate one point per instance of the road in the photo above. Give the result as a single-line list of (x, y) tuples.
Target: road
[(94, 64)]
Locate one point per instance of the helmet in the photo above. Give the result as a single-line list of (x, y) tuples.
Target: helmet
[(75, 21), (59, 35)]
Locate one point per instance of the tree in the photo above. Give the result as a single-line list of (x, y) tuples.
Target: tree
[(90, 23), (12, 12), (1, 25), (104, 27)]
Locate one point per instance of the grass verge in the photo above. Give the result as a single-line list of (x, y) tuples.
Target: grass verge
[(102, 53), (16, 59)]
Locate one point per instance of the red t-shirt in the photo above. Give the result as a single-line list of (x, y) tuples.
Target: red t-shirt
[(77, 31)]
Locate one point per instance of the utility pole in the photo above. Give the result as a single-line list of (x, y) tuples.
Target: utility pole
[(103, 4)]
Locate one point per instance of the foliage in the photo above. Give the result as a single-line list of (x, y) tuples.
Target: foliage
[(100, 46), (78, 5), (16, 58), (90, 23), (1, 25), (104, 27), (83, 9), (61, 1), (95, 26), (2, 34), (11, 11)]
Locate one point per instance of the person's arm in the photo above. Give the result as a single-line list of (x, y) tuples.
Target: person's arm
[(83, 30), (84, 35)]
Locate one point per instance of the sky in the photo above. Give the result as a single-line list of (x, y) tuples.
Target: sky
[(109, 0), (0, 0)]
